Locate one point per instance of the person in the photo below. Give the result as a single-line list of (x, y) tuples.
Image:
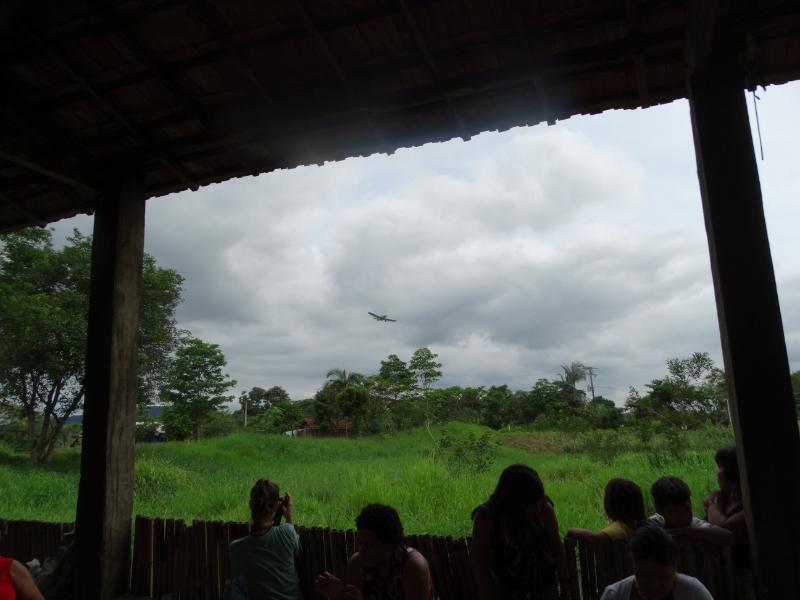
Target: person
[(655, 576), (16, 582), (516, 548), (724, 506), (624, 505), (263, 563), (673, 502), (384, 568)]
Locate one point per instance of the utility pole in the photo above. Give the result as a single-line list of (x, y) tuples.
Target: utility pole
[(244, 397), (590, 372)]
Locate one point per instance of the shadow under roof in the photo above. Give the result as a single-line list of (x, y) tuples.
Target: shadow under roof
[(197, 92)]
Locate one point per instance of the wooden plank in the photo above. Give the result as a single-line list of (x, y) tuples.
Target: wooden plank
[(754, 349), (105, 491)]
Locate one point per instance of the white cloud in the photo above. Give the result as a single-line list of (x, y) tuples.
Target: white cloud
[(508, 255)]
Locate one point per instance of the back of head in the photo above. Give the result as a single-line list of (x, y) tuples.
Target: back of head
[(383, 521), (263, 498), (727, 460), (624, 502), (670, 491), (518, 488), (654, 544)]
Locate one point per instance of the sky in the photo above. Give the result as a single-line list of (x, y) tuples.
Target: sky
[(508, 255)]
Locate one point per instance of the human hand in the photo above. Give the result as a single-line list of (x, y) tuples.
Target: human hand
[(287, 510), (327, 584), (351, 592), (711, 499)]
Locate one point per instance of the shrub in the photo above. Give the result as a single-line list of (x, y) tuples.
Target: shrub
[(147, 431), (219, 423), (602, 445), (177, 425), (470, 454), (157, 478)]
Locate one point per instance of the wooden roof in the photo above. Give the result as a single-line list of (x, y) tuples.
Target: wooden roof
[(201, 91)]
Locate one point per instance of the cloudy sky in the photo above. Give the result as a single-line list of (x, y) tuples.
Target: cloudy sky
[(508, 255)]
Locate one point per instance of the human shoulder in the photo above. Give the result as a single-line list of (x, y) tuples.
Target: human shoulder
[(617, 530), (656, 520), (620, 590), (690, 588), (415, 562)]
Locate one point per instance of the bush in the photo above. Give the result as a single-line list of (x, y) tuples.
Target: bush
[(603, 445), (147, 431), (157, 478), (470, 454), (177, 425), (218, 424)]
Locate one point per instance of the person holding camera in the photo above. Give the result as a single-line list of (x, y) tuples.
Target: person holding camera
[(263, 563)]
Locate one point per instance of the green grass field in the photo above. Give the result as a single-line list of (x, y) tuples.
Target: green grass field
[(331, 479)]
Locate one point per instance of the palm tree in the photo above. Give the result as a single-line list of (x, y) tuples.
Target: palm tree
[(573, 373), (340, 378)]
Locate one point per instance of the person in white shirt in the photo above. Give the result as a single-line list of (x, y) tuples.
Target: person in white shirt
[(673, 501), (655, 576)]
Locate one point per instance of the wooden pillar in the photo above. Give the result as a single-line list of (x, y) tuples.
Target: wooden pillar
[(105, 494), (753, 344)]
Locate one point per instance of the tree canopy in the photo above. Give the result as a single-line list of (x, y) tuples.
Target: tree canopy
[(43, 319)]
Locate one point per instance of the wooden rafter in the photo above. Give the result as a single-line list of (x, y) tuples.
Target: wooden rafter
[(426, 53), (639, 66), (43, 169), (29, 215), (177, 170), (325, 48)]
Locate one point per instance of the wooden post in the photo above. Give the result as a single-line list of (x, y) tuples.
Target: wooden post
[(753, 344), (105, 493)]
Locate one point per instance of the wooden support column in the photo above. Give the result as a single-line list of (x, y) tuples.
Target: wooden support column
[(753, 344), (105, 494)]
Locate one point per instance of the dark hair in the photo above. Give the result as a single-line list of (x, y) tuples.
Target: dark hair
[(263, 498), (727, 460), (670, 491), (383, 521), (624, 502), (654, 543), (518, 488)]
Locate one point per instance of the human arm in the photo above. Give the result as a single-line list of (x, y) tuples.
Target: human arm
[(592, 537), (734, 522), (416, 577), (288, 509), (480, 555), (710, 533), (546, 515), (23, 583)]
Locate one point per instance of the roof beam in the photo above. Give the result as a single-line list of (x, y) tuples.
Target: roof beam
[(700, 26), (24, 212), (635, 35), (325, 48), (178, 170), (425, 51), (43, 169)]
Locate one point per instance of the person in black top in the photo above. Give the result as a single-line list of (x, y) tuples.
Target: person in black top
[(517, 553)]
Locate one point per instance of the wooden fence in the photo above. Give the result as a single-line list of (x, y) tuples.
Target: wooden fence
[(191, 562), (26, 540)]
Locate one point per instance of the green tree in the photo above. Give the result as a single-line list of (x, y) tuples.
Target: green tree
[(259, 400), (499, 407), (424, 368), (570, 376), (43, 320), (197, 384), (546, 397)]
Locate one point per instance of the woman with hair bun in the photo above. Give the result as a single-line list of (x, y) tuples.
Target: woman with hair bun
[(263, 563)]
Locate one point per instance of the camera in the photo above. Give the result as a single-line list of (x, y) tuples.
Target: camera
[(284, 500)]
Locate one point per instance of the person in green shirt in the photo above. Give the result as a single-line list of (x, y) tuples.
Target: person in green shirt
[(264, 561)]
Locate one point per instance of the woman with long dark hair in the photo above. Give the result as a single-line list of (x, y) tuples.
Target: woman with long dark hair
[(516, 551)]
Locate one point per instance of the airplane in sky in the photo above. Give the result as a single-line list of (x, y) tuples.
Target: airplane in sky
[(381, 317)]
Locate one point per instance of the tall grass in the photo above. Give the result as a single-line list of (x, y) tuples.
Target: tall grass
[(331, 479)]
